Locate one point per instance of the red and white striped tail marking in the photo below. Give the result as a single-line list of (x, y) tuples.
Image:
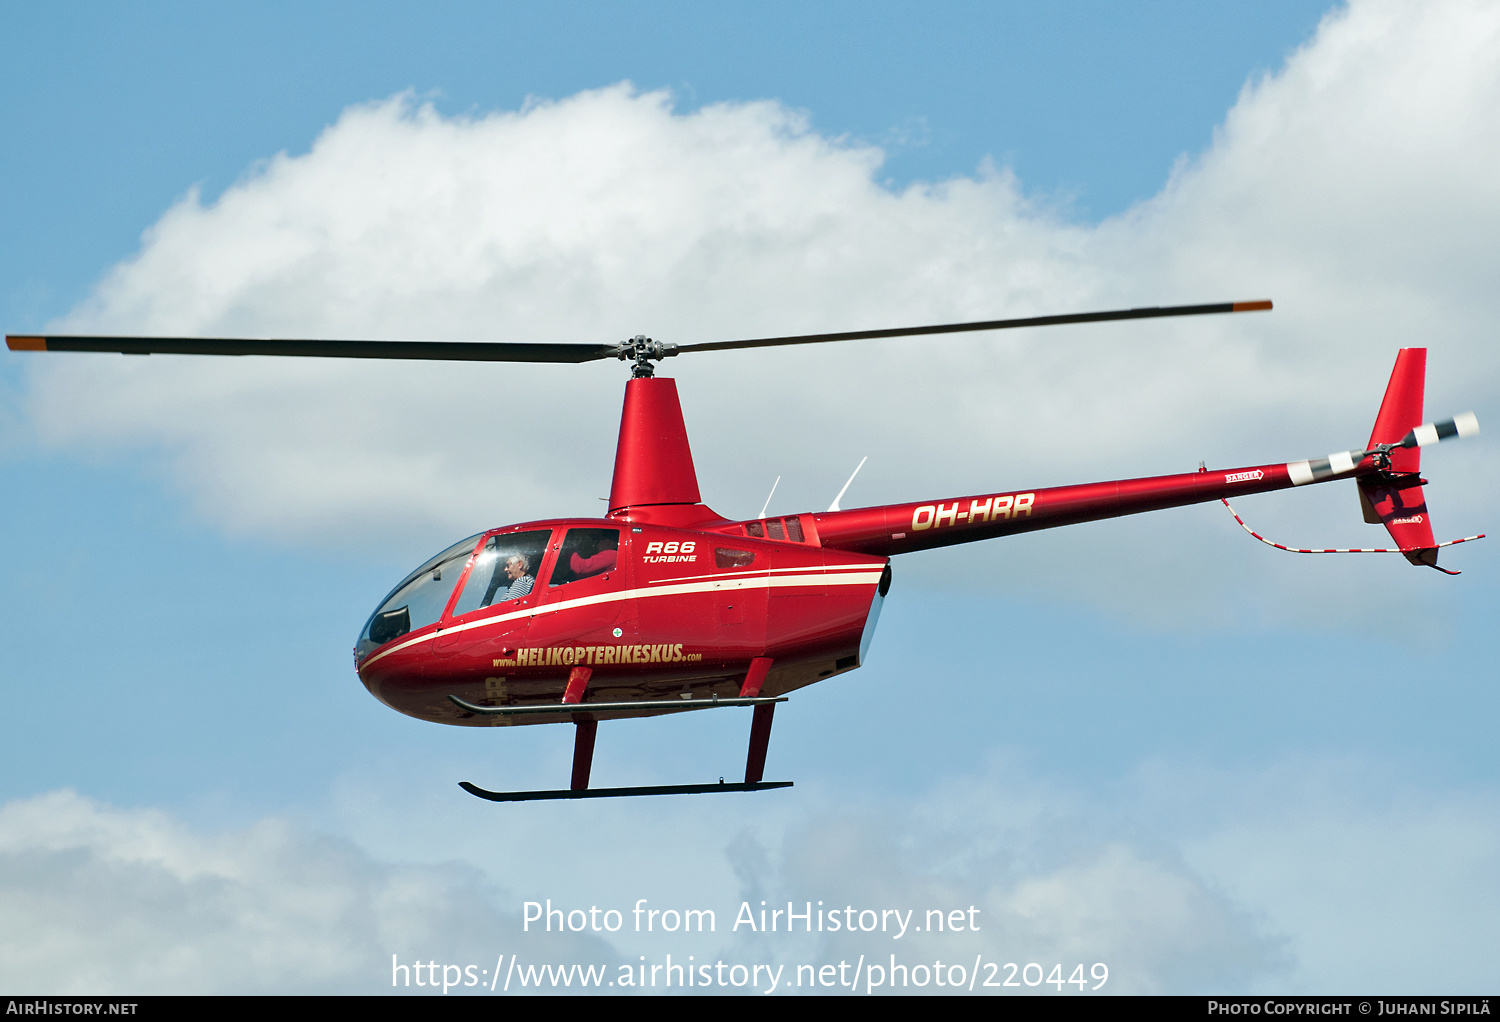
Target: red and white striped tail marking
[(1333, 550)]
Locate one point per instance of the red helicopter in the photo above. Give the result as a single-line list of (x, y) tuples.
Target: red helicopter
[(665, 606)]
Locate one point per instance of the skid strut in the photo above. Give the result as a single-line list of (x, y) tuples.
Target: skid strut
[(583, 753), (760, 737), (760, 724)]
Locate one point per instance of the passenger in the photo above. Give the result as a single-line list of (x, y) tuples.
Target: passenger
[(602, 560), (518, 570)]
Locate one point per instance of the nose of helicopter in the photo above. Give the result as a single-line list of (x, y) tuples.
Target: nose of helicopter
[(417, 602)]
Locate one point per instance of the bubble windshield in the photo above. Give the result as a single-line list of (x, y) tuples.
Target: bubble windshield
[(419, 600)]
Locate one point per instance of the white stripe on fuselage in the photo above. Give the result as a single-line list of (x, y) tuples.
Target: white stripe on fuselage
[(867, 577), (763, 571)]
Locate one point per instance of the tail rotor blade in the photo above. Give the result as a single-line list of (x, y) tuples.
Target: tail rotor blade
[(1465, 425), (1340, 462)]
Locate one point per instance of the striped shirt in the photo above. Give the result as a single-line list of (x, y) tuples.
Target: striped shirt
[(520, 587)]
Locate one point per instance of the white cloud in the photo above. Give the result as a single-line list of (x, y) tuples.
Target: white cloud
[(1353, 187), (95, 899), (1051, 878), (1303, 875), (1156, 925)]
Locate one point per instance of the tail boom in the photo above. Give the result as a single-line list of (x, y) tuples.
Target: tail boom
[(904, 528), (1388, 474)]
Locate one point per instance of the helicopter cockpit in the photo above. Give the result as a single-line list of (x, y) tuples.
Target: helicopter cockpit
[(505, 567)]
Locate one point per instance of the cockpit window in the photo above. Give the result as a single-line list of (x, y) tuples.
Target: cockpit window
[(504, 569), (586, 552), (419, 600)]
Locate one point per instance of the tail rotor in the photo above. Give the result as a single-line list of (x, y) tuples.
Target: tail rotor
[(1388, 471)]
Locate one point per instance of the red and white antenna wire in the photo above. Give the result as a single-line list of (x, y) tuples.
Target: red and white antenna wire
[(1332, 550)]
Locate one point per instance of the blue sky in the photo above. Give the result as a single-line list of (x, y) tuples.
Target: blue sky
[(131, 105), (1150, 743)]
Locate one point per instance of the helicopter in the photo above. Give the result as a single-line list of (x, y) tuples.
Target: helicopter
[(665, 606)]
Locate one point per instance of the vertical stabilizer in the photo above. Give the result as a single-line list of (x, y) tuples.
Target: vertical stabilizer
[(653, 462), (1395, 498), (1401, 409)]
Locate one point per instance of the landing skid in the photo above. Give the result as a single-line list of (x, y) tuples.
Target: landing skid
[(658, 789), (587, 727)]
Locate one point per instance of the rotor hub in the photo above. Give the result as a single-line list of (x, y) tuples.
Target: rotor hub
[(642, 350)]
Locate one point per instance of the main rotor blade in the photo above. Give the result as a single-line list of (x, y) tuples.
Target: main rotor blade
[(1151, 312), (502, 351), (440, 351)]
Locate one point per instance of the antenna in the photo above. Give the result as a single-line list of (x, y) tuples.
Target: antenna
[(835, 505), (768, 497)]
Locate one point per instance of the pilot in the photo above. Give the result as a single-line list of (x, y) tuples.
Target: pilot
[(518, 570)]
